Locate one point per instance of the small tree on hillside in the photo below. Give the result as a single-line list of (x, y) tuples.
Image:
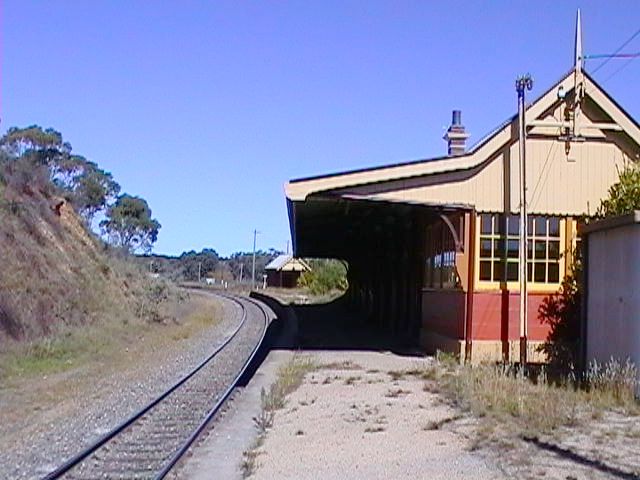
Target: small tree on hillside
[(93, 190), (129, 224), (43, 146), (33, 150)]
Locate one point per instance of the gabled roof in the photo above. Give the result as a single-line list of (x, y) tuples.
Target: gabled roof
[(282, 261), (299, 189)]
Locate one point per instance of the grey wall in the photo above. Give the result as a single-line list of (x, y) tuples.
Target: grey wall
[(613, 289)]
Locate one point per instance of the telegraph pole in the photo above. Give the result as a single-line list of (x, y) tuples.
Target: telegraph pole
[(523, 83), (253, 263), (199, 272)]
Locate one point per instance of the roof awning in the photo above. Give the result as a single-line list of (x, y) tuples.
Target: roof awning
[(337, 226)]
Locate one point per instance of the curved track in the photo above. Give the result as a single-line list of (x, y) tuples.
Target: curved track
[(151, 441)]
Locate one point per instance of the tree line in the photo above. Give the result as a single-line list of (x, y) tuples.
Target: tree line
[(34, 155), (193, 266)]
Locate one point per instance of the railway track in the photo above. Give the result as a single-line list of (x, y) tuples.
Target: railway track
[(149, 443)]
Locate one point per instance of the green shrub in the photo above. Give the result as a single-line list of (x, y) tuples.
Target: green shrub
[(326, 275), (624, 195)]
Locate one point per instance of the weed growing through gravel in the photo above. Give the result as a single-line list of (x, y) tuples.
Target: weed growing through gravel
[(344, 365), (375, 429), (438, 424), (396, 392), (429, 372), (352, 380), (290, 377)]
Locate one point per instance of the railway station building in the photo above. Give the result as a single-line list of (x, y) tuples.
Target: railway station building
[(432, 245), (285, 270)]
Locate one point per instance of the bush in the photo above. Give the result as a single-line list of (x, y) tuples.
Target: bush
[(325, 276), (561, 311), (624, 196)]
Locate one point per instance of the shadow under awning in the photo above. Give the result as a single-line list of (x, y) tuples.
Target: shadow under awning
[(342, 226)]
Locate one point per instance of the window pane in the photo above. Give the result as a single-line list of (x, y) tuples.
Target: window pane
[(485, 248), (554, 227), (529, 249), (530, 225), (513, 248), (554, 273), (541, 226), (485, 270), (485, 223), (499, 224), (539, 272), (498, 248), (554, 250), (513, 227), (512, 271), (529, 270), (498, 271), (541, 250)]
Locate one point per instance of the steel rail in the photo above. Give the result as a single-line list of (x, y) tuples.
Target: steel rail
[(86, 452), (196, 433)]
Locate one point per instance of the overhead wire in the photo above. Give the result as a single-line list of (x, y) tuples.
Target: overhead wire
[(546, 167), (619, 69), (608, 59)]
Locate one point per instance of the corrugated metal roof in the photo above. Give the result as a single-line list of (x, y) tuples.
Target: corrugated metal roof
[(288, 263), (278, 262)]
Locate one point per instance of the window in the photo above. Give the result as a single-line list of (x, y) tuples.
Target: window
[(440, 264), (543, 250), (499, 249)]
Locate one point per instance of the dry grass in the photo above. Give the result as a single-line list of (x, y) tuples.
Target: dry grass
[(290, 377), (531, 406)]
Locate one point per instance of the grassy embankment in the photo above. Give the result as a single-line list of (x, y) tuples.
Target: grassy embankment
[(65, 299), (109, 342)]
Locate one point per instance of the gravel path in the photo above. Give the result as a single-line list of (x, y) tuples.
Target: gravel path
[(356, 420), (607, 448), (48, 437)]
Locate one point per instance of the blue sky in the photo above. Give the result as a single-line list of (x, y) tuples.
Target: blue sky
[(206, 108)]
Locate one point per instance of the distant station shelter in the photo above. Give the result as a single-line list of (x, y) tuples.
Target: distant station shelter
[(284, 271), (433, 245)]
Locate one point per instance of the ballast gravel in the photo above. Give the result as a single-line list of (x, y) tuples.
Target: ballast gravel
[(34, 444)]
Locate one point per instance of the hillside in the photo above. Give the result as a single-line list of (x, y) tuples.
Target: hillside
[(55, 273)]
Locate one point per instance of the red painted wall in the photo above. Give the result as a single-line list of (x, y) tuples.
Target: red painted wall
[(443, 312), (496, 316)]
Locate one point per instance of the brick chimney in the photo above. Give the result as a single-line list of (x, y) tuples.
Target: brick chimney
[(456, 135)]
